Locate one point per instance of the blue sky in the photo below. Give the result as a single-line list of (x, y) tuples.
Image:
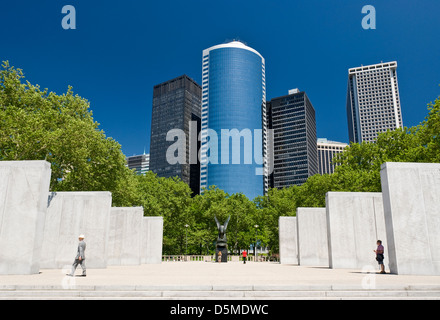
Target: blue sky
[(121, 49)]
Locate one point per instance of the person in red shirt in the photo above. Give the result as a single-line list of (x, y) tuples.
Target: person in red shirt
[(244, 256)]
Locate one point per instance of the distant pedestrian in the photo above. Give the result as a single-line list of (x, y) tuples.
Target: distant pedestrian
[(244, 256), (80, 257), (219, 258), (380, 256)]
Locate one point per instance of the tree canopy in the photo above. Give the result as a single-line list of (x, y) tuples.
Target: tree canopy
[(41, 125)]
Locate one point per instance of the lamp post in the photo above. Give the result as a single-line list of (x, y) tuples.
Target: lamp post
[(256, 240), (186, 246)]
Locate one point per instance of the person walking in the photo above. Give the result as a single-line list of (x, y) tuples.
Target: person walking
[(80, 257), (380, 256), (244, 256), (219, 257)]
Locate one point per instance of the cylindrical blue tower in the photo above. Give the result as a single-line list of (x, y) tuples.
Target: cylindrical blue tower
[(233, 119)]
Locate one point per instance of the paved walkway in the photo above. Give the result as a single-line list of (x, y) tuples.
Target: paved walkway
[(208, 273)]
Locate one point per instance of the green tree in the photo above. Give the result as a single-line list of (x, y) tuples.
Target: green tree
[(171, 199), (276, 203), (216, 202), (213, 202), (428, 134), (243, 218), (40, 125)]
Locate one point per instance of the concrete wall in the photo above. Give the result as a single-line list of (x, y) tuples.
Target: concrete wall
[(312, 237), (355, 221), (152, 240), (411, 193), (70, 214), (124, 240), (288, 234), (24, 186)]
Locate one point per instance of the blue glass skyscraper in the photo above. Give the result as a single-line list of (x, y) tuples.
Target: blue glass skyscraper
[(233, 131)]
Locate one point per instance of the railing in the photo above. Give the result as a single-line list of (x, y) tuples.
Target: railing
[(231, 258), (179, 258)]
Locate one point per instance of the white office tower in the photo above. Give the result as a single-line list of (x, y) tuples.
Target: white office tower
[(140, 163), (373, 101), (327, 151)]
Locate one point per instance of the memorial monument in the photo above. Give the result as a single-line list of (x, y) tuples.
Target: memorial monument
[(412, 216), (151, 240), (288, 233), (70, 213), (124, 239), (355, 221), (312, 237), (221, 245), (24, 186)]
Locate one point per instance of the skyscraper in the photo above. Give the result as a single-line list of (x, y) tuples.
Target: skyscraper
[(327, 150), (233, 119), (176, 103), (140, 163), (373, 101), (295, 155)]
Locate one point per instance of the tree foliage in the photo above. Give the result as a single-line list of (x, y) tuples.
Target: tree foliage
[(37, 124)]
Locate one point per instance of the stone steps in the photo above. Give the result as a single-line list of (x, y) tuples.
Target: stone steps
[(247, 292)]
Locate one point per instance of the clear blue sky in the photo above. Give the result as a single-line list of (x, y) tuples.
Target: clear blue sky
[(121, 49)]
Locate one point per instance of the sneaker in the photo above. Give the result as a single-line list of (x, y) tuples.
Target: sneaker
[(69, 275), (382, 272)]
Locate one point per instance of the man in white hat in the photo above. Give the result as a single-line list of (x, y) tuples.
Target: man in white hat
[(80, 257)]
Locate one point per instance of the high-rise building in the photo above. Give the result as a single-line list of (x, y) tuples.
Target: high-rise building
[(373, 101), (176, 107), (140, 163), (233, 119), (295, 156), (327, 150)]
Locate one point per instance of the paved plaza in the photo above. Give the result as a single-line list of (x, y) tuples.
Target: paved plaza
[(207, 280)]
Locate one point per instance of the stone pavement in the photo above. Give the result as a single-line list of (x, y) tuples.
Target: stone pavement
[(207, 280)]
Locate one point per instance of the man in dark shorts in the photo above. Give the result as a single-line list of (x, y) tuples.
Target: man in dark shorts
[(380, 256)]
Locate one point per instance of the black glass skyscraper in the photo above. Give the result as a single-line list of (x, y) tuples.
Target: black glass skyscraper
[(176, 103), (295, 156)]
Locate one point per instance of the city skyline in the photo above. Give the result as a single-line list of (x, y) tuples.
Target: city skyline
[(109, 59)]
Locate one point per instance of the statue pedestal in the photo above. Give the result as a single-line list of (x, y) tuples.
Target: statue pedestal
[(224, 251)]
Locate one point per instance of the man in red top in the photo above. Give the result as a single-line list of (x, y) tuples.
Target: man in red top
[(244, 256)]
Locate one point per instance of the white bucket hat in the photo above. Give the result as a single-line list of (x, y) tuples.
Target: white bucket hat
[(81, 236)]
